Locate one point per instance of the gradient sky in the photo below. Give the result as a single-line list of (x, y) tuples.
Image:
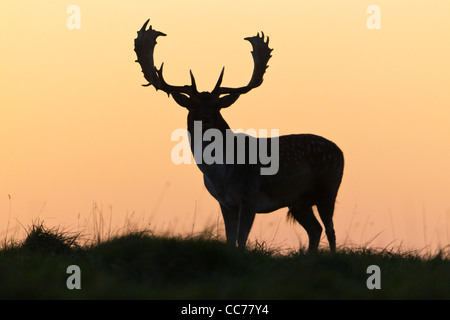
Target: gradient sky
[(80, 136)]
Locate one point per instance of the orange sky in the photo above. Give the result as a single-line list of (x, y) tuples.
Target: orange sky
[(77, 127)]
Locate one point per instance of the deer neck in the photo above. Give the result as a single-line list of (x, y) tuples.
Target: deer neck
[(199, 142), (195, 126)]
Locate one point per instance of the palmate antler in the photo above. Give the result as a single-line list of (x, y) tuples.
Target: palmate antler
[(144, 45), (261, 55)]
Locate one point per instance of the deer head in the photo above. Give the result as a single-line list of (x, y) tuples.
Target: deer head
[(204, 106)]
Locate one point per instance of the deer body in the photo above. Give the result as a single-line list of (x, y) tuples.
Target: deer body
[(310, 167)]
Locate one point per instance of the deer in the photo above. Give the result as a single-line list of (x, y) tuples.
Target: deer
[(310, 166)]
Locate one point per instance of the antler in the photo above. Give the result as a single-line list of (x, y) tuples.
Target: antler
[(144, 45), (261, 55)]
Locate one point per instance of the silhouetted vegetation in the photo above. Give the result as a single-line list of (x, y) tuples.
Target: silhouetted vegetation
[(141, 265)]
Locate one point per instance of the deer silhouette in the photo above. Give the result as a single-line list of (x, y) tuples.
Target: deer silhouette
[(310, 167)]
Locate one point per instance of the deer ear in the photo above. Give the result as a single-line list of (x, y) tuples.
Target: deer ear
[(228, 100), (181, 99)]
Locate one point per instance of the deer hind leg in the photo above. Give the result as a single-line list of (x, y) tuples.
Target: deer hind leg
[(326, 209), (305, 216)]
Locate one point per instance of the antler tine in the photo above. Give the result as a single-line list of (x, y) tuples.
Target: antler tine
[(144, 46), (193, 85), (261, 54), (219, 82)]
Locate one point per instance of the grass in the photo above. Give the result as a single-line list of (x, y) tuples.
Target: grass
[(141, 265)]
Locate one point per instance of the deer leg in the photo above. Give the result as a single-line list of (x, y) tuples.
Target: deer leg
[(231, 220), (246, 218), (326, 209), (305, 216)]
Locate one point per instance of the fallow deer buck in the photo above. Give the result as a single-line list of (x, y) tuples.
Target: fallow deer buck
[(310, 167)]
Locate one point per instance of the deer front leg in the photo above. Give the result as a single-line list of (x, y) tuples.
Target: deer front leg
[(238, 223), (231, 220), (246, 217)]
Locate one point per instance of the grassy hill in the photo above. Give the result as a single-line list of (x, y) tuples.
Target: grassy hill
[(139, 265)]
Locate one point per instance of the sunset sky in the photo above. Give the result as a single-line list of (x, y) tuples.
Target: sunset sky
[(80, 136)]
